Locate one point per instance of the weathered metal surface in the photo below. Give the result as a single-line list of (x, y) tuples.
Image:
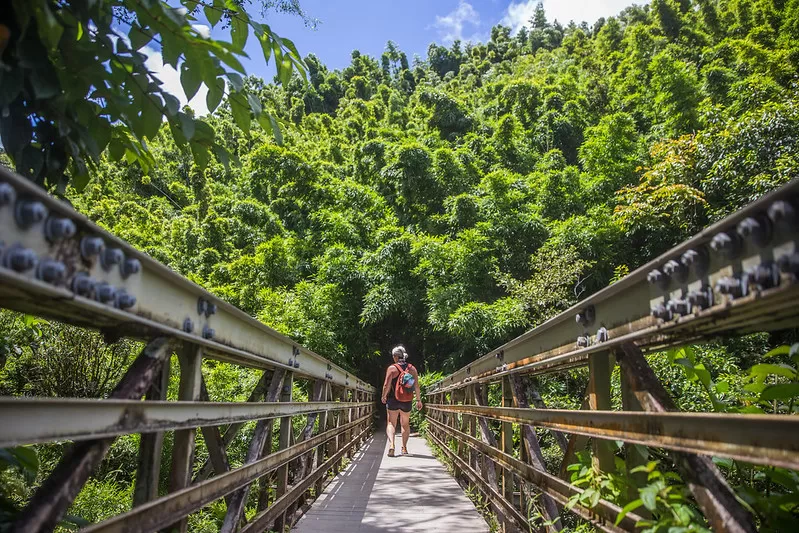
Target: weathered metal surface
[(190, 387), (59, 490), (624, 308), (148, 468), (714, 495), (760, 439), (235, 508), (530, 443), (604, 514), (167, 509), (163, 301), (33, 420)]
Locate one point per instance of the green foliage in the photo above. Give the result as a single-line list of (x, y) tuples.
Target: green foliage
[(75, 81)]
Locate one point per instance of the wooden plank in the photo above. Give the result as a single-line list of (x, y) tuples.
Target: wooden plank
[(711, 491), (56, 494), (148, 469), (190, 357)]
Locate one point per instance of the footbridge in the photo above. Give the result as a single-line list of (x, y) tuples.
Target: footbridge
[(319, 465)]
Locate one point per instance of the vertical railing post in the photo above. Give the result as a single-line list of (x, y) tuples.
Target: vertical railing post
[(506, 441), (148, 470), (284, 441), (600, 368), (324, 425), (190, 358)]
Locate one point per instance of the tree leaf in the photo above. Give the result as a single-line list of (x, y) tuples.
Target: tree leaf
[(239, 31), (779, 350), (236, 81), (240, 110), (50, 29), (649, 496), (171, 103), (215, 94), (190, 79), (632, 506), (139, 37), (255, 104), (782, 391), (764, 370), (186, 125), (213, 14)]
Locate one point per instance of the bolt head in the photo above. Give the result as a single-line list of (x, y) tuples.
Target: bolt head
[(731, 287), (51, 271), (130, 267), (20, 259), (781, 211), (57, 229), (210, 309), (296, 364), (105, 293), (91, 247), (208, 333), (662, 313), (202, 306), (656, 277), (82, 284), (7, 194), (30, 212), (675, 269), (125, 300), (111, 257), (188, 325)]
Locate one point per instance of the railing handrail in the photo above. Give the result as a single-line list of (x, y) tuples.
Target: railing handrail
[(239, 338), (641, 325)]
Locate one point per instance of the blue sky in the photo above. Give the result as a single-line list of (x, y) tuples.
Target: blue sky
[(366, 25)]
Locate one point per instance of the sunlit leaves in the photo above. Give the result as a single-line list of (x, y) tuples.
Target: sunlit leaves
[(121, 89)]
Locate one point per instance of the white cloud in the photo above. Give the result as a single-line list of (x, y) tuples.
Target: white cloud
[(450, 27), (519, 13), (171, 82)]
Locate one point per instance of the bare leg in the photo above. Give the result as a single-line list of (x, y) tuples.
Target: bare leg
[(405, 420), (391, 426)]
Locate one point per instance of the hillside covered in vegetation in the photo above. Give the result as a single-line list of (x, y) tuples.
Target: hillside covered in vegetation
[(453, 201)]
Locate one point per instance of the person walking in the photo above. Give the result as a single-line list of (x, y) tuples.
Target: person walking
[(402, 380)]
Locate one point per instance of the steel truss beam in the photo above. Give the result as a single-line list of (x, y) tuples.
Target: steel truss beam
[(738, 275), (56, 263), (29, 421), (760, 439)]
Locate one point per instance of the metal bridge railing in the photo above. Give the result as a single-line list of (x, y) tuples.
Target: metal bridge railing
[(736, 277), (55, 263)]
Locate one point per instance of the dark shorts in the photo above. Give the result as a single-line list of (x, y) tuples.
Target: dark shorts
[(392, 405)]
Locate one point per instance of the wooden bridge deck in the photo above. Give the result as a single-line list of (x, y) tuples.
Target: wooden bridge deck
[(376, 493)]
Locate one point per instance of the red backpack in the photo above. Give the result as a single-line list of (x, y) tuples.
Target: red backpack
[(403, 387)]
